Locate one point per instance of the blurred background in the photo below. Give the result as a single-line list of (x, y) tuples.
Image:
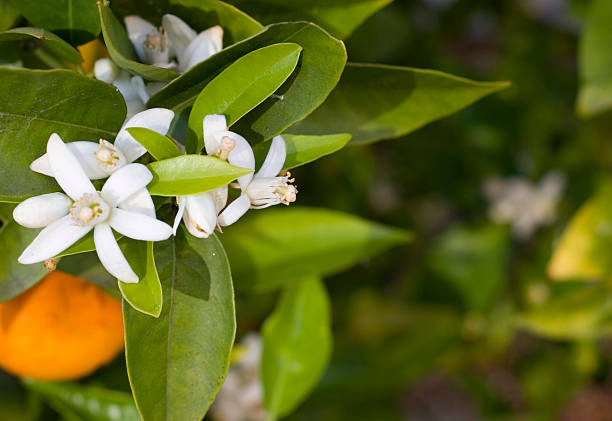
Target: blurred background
[(463, 324)]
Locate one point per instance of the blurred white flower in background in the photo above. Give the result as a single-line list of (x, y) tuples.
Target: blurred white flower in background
[(241, 397), (524, 205)]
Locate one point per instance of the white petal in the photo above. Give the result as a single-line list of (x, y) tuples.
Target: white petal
[(241, 156), (179, 33), (274, 160), (105, 70), (40, 211), (212, 125), (139, 202), (139, 226), (125, 182), (85, 154), (235, 210), (66, 169), (110, 255), (220, 197), (202, 214), (134, 107), (181, 201), (156, 119), (139, 86), (138, 29), (206, 44), (123, 82), (52, 240)]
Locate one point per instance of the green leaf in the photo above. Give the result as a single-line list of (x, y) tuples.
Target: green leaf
[(595, 61), (49, 40), (146, 295), (177, 363), (583, 251), (122, 51), (297, 344), (190, 174), (76, 401), (33, 105), (76, 21), (15, 278), (241, 87), (202, 14), (6, 211), (269, 249), (159, 146), (321, 63), (8, 15), (375, 102), (304, 149), (339, 17)]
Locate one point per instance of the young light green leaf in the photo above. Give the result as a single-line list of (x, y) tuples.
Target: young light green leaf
[(375, 102), (190, 174), (80, 402), (321, 63), (595, 61), (53, 101), (8, 14), (270, 249), (15, 278), (339, 17), (177, 363), (159, 146), (304, 149), (76, 21), (241, 87), (57, 46), (583, 251), (122, 51), (297, 344), (146, 295)]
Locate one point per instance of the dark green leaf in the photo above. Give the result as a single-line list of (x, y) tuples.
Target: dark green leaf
[(33, 105), (242, 86), (8, 14), (146, 295), (376, 102), (57, 46), (74, 20), (269, 249), (122, 51), (6, 211), (297, 344), (190, 174), (304, 149), (177, 363), (158, 145)]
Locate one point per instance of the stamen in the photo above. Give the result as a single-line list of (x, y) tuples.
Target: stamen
[(89, 210), (108, 156), (227, 145), (157, 47)]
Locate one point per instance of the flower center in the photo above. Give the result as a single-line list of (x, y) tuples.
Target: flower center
[(109, 157), (157, 47), (90, 210), (227, 145), (269, 191)]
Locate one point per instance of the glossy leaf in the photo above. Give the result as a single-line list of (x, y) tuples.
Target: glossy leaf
[(269, 249), (376, 102), (49, 40), (158, 145), (304, 149), (80, 402), (339, 17), (177, 363), (321, 63), (122, 51), (8, 14), (297, 344), (241, 87), (146, 295), (55, 101), (76, 21), (583, 251), (595, 60), (190, 174), (15, 278)]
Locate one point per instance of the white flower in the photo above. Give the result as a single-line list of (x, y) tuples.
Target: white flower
[(263, 189), (67, 218), (522, 204), (241, 396)]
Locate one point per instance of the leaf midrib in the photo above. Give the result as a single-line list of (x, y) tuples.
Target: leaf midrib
[(64, 123)]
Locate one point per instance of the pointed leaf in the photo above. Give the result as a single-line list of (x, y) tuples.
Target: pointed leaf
[(57, 46), (146, 295), (8, 14), (158, 145), (376, 102)]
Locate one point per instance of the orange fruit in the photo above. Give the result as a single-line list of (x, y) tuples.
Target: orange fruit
[(61, 329), (91, 51)]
